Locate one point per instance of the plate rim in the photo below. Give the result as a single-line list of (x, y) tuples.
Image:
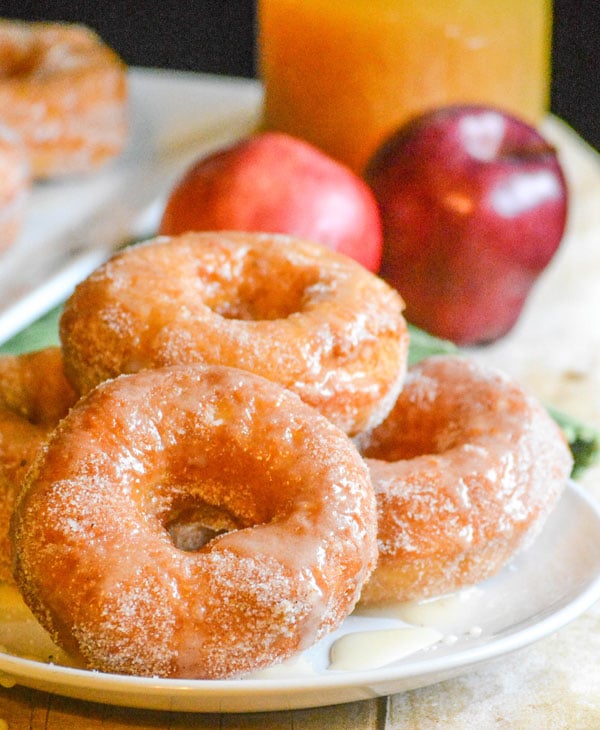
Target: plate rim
[(259, 692)]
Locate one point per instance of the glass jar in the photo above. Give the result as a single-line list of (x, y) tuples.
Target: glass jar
[(344, 74)]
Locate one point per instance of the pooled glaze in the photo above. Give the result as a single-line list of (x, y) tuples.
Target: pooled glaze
[(289, 310), (65, 92), (20, 633), (465, 468), (34, 396), (364, 650), (97, 565), (440, 612)]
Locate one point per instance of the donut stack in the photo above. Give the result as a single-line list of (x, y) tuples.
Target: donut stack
[(63, 97), (247, 458)]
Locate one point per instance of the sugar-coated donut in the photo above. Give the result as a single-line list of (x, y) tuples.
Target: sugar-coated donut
[(465, 470), (15, 184), (34, 396), (289, 310), (65, 92), (181, 451)]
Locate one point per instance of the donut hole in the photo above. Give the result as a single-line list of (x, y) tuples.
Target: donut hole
[(18, 59), (192, 527), (412, 437), (265, 293), (14, 65), (433, 420), (214, 483)]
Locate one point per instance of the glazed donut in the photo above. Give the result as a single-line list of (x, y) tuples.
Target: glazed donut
[(292, 311), (281, 495), (465, 469), (15, 183), (34, 396), (65, 92)]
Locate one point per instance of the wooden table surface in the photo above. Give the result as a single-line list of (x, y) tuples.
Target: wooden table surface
[(555, 683), (26, 709)]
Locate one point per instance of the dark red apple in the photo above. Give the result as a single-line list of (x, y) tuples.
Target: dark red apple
[(474, 206), (276, 183)]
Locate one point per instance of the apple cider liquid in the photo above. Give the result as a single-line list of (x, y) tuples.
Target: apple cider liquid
[(344, 74)]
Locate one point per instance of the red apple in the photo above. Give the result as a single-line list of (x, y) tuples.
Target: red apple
[(276, 183), (474, 205)]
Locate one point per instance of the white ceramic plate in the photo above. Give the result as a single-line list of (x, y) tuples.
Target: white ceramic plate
[(73, 225), (547, 586)]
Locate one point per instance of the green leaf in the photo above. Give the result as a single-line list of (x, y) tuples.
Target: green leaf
[(424, 345), (584, 441), (42, 333)]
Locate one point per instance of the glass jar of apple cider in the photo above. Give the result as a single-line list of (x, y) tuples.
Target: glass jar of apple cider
[(344, 74)]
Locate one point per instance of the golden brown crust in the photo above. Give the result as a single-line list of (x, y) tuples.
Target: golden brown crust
[(34, 396), (289, 310), (93, 554), (34, 386), (65, 92), (465, 469)]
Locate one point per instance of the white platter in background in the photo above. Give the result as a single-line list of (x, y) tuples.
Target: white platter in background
[(73, 225)]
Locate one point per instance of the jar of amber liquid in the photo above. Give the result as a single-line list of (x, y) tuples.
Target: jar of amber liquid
[(344, 74)]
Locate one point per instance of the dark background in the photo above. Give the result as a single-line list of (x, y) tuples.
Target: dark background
[(217, 36)]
